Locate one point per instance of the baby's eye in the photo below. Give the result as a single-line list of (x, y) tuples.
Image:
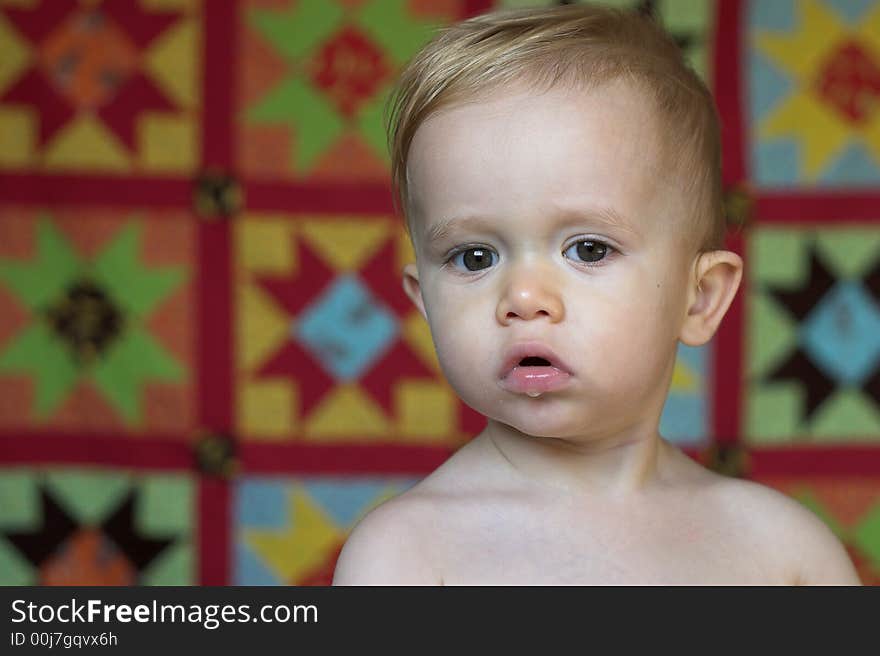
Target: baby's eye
[(589, 250), (474, 259)]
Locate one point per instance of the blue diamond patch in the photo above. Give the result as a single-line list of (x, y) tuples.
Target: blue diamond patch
[(347, 329), (842, 333)]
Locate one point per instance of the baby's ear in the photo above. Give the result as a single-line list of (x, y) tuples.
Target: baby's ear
[(716, 279), (412, 287)]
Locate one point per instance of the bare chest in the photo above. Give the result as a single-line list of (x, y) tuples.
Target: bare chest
[(579, 549)]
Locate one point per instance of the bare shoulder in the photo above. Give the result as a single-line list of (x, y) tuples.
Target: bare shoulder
[(388, 546), (805, 550), (401, 542)]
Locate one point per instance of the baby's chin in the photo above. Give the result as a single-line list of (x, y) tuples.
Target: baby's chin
[(529, 430), (540, 421)]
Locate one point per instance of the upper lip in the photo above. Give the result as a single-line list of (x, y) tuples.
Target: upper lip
[(521, 350)]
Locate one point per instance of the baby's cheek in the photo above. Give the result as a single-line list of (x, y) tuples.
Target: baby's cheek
[(441, 304), (457, 332), (632, 339), (467, 366)]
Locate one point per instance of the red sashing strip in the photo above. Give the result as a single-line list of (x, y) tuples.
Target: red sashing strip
[(101, 190), (215, 327), (341, 459), (828, 207), (727, 82), (727, 367), (215, 366), (151, 451), (214, 535), (319, 198), (846, 460), (220, 84)]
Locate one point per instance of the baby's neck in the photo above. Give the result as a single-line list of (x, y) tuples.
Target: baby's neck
[(619, 466)]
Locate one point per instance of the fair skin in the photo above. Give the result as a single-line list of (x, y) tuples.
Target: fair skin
[(575, 485)]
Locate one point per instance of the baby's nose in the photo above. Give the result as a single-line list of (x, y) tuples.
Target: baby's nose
[(528, 298)]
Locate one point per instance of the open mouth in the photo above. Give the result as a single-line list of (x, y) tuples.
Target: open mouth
[(535, 375), (533, 361)]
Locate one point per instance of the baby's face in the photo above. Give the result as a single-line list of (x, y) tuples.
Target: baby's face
[(563, 230)]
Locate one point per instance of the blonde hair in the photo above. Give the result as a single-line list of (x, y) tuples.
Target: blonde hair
[(578, 46)]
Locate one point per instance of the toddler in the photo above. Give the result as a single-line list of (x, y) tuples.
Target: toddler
[(559, 171)]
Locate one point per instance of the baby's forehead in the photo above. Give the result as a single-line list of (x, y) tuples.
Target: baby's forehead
[(524, 146), (616, 113)]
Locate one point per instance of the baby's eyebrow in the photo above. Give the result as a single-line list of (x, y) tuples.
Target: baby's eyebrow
[(606, 217)]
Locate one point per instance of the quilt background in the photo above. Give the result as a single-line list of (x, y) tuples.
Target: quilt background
[(208, 369)]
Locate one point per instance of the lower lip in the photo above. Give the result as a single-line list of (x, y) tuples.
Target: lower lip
[(523, 380)]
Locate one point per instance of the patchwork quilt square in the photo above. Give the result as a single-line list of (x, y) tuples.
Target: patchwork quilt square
[(290, 530), (110, 87), (813, 88), (315, 80), (94, 526), (97, 327), (813, 340)]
